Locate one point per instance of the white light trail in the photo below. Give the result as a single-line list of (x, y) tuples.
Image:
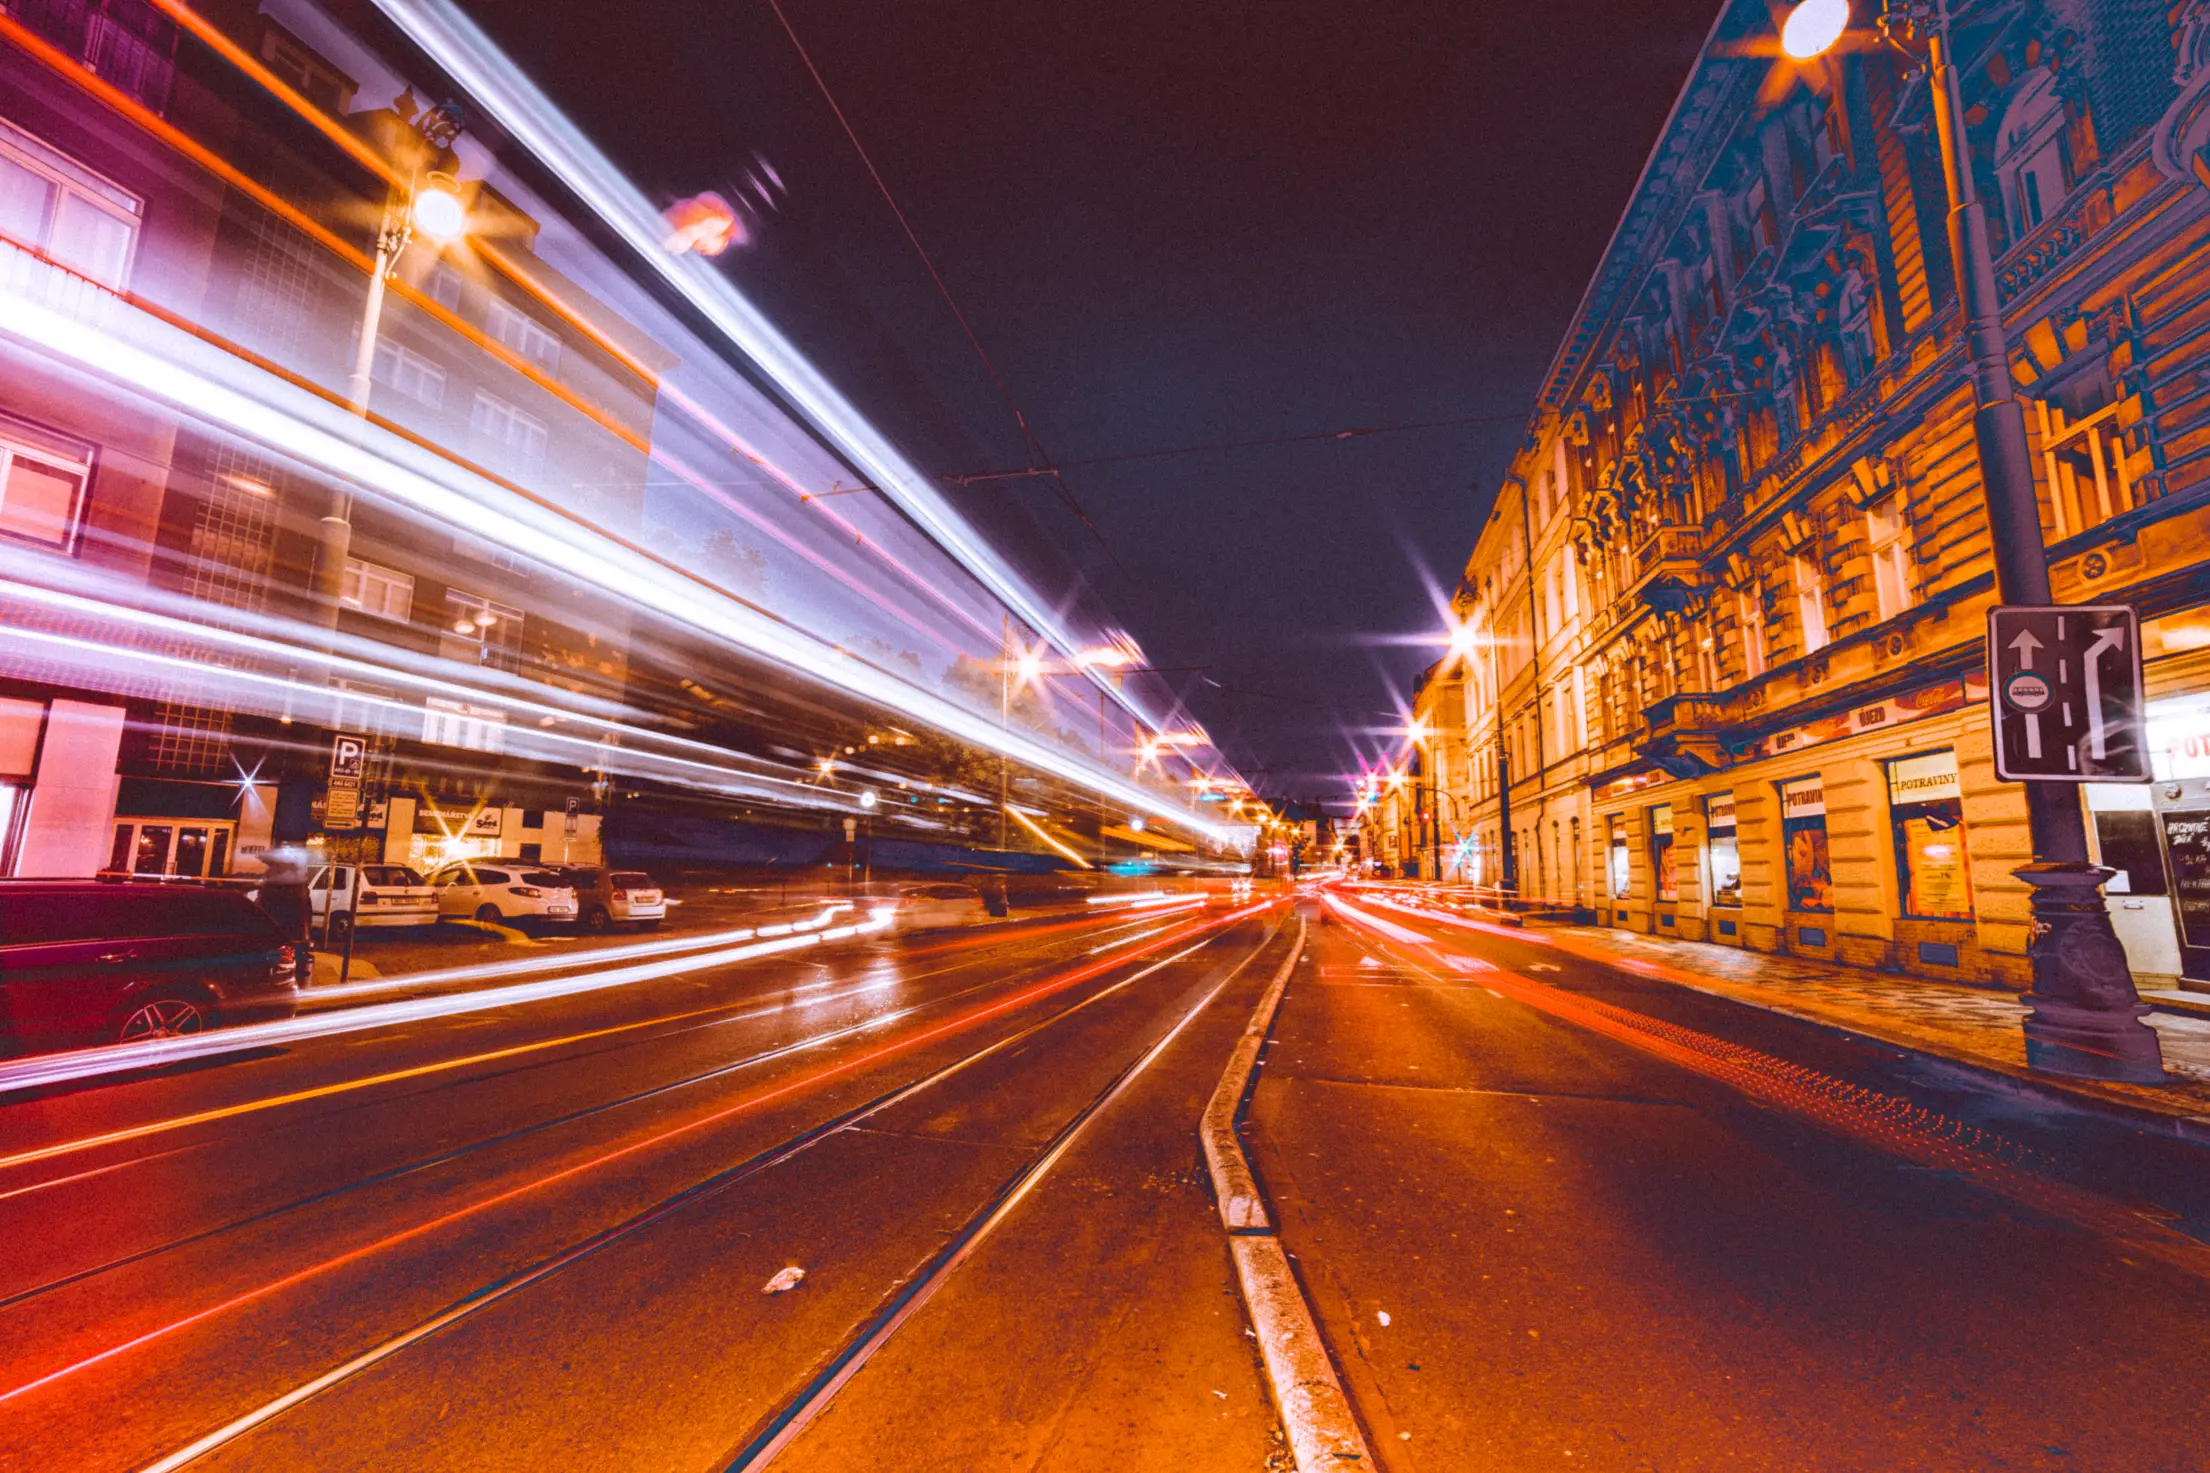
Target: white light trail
[(502, 92), (207, 383), (50, 1069)]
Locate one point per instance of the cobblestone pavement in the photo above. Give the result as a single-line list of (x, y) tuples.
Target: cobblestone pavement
[(1972, 1025)]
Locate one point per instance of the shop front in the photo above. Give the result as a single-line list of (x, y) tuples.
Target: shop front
[(1723, 869)]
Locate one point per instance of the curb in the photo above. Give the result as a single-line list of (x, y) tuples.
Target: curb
[(1324, 1436), (2177, 1124), (1242, 1205)]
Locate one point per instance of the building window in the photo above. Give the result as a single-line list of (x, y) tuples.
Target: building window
[(2030, 156), (1803, 837), (1721, 851), (442, 286), (457, 724), (1664, 872), (481, 631), (1926, 812), (1749, 618), (53, 204), (1621, 862), (409, 373), (521, 332), (42, 484), (304, 72), (1810, 601), (384, 592), (504, 425), (1889, 534)]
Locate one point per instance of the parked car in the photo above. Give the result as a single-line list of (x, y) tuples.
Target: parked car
[(495, 891), (606, 898), (94, 961), (937, 907), (394, 895)]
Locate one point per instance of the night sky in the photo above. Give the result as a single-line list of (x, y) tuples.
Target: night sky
[(1174, 225)]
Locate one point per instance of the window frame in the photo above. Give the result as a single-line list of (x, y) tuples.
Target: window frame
[(21, 441), (390, 578), (525, 335), (487, 405), (1811, 612), (68, 178), (1888, 540)]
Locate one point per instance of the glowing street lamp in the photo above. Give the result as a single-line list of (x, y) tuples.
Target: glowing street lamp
[(439, 215), (1813, 27)]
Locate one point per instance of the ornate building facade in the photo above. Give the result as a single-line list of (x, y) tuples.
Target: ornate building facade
[(1723, 654)]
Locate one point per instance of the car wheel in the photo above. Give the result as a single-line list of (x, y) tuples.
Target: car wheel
[(168, 1015), (597, 919), (339, 925), (489, 915)]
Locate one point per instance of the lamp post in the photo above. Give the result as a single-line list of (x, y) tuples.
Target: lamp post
[(429, 205), (2086, 1015)]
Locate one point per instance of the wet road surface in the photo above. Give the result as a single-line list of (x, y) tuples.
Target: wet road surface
[(1538, 1234), (540, 1235)]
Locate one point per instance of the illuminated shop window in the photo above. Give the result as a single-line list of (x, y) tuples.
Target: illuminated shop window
[(1803, 841), (1722, 852), (1926, 814), (1621, 862), (1664, 868)]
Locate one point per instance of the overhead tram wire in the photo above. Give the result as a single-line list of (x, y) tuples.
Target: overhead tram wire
[(1045, 467), (1355, 432)]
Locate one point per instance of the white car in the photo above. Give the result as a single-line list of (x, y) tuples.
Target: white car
[(391, 895), (939, 907), (498, 890)]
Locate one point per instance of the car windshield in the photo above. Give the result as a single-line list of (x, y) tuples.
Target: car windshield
[(542, 877), (389, 874), (631, 880)]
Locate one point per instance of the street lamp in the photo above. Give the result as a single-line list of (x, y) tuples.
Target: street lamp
[(430, 205), (1814, 26), (2086, 1015)]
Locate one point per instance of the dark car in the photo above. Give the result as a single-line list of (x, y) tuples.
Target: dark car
[(90, 961)]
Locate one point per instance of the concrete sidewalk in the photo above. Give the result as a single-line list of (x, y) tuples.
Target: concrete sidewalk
[(1974, 1026)]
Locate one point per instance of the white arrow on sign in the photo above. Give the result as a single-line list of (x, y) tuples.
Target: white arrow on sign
[(2026, 645), (2113, 638)]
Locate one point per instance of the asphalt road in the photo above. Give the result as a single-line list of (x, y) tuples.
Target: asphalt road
[(540, 1235), (1552, 1215)]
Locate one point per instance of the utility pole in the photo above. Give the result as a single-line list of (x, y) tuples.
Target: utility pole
[(2086, 1015)]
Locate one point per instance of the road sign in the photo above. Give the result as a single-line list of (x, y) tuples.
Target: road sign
[(2064, 682), (348, 763)]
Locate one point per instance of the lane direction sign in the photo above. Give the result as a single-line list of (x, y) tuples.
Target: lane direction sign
[(2066, 691)]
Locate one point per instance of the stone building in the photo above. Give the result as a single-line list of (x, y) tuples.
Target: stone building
[(1722, 633)]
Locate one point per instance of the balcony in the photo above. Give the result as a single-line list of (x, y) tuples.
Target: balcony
[(1681, 735), (125, 42), (1668, 568)]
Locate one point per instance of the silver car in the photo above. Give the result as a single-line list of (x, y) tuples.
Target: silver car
[(606, 898)]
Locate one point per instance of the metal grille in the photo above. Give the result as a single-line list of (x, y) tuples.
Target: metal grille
[(276, 288), (234, 539), (189, 740)]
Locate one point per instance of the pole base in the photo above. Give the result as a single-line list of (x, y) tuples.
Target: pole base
[(2093, 1043), (2086, 1018)]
